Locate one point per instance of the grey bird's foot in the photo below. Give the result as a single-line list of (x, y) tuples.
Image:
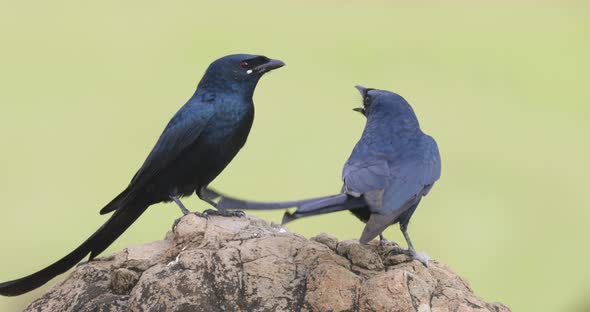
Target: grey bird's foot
[(422, 257), (383, 242), (224, 213)]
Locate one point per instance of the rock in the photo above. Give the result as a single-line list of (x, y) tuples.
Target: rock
[(244, 264), (326, 239), (123, 280)]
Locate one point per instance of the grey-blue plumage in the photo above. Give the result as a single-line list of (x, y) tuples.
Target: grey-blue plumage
[(390, 169), (393, 165), (196, 145)]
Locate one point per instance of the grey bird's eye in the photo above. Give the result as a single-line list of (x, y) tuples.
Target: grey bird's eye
[(367, 100)]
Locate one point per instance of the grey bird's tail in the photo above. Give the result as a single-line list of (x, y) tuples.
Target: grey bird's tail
[(235, 203), (127, 212), (305, 207), (326, 206)]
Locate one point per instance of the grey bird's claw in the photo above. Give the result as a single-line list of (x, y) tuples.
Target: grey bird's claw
[(224, 213), (422, 257), (383, 242)]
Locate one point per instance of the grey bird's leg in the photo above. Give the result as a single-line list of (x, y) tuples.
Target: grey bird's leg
[(410, 251)]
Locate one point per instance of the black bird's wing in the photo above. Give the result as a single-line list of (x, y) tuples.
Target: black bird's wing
[(182, 131)]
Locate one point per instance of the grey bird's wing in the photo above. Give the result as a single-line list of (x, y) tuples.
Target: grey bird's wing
[(367, 176), (408, 181)]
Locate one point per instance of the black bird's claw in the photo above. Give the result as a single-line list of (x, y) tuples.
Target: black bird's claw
[(224, 213), (198, 214)]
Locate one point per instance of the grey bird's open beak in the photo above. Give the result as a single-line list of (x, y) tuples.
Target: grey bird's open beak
[(360, 110), (268, 66), (362, 90)]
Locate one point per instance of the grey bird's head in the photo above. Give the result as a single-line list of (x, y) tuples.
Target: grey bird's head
[(381, 103), (239, 72)]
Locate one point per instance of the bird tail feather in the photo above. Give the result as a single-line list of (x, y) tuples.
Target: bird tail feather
[(117, 202), (235, 203), (330, 205), (94, 245)]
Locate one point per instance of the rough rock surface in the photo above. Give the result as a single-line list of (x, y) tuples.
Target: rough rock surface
[(244, 264)]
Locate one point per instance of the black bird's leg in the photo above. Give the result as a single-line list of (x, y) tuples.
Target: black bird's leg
[(180, 204), (208, 195), (184, 210)]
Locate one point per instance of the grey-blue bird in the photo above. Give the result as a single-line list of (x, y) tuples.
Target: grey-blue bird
[(393, 165), (196, 145)]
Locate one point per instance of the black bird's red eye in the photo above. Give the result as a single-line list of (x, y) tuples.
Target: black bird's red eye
[(244, 64)]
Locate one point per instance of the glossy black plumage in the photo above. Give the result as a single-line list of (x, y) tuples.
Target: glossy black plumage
[(196, 145)]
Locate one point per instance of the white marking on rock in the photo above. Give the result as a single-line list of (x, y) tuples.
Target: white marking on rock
[(171, 263)]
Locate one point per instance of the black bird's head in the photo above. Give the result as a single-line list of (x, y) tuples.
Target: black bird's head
[(386, 104), (239, 72)]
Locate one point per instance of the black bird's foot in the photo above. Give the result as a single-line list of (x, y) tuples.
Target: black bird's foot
[(224, 213), (422, 257), (198, 214)]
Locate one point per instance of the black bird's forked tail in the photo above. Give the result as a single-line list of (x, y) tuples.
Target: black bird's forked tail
[(123, 217)]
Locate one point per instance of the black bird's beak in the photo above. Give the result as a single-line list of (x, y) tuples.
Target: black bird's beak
[(268, 66)]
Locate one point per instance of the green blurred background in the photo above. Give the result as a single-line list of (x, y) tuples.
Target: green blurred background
[(503, 87)]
